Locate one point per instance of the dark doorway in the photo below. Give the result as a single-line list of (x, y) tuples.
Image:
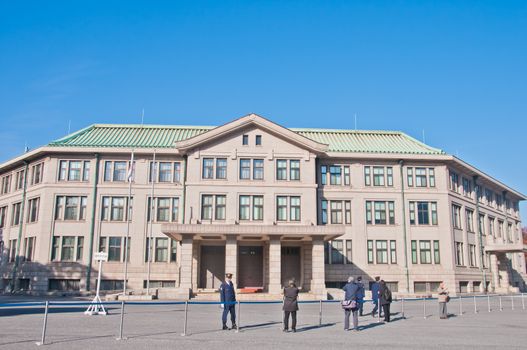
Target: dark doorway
[(250, 262), (212, 266), (291, 265)]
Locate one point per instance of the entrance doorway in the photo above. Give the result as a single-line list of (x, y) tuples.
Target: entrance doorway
[(212, 266), (291, 265), (250, 262)]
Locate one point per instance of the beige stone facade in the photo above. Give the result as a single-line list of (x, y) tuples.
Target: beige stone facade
[(263, 202)]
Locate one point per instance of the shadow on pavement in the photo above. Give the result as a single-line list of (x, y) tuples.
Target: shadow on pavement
[(309, 328)]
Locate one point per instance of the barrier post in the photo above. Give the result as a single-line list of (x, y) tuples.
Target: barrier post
[(185, 322), (523, 302), (44, 327), (512, 302), (488, 302), (460, 306), (402, 311), (320, 314), (238, 315), (122, 322), (424, 308), (475, 305)]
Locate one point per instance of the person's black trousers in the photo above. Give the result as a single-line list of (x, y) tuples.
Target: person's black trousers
[(286, 319), (386, 308), (226, 310)]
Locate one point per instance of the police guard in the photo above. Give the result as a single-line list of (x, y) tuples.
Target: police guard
[(228, 299)]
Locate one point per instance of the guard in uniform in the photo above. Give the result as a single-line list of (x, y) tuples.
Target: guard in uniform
[(228, 299)]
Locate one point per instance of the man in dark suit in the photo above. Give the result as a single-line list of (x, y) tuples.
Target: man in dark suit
[(228, 299)]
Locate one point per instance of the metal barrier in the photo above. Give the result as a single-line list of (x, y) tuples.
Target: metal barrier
[(48, 304)]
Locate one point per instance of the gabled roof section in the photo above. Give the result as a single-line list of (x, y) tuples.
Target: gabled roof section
[(129, 135), (256, 120)]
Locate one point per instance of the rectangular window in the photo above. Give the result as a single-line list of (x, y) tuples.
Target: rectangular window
[(482, 224), (414, 252), (281, 208), (347, 212), (74, 172), (175, 209), (221, 202), (491, 227), (173, 250), (245, 208), (433, 210), (454, 181), (281, 169), (119, 171), (393, 252), (470, 220), (55, 248), (163, 209), (33, 208), (245, 140), (208, 168), (459, 254), (378, 176), (423, 213), (114, 249), (467, 187), (370, 252), (86, 171), (36, 173), (425, 252), (165, 172), (411, 208), (336, 212), (68, 248), (347, 174), (161, 250), (29, 248), (245, 169), (71, 208), (323, 174), (456, 216), (206, 207), (80, 248), (20, 176), (420, 177), (335, 175), (472, 254), (369, 219), (3, 216), (117, 211), (221, 168), (258, 208), (294, 208), (324, 211), (367, 176), (337, 253), (294, 170), (382, 252), (437, 256), (410, 176), (258, 169), (15, 214), (12, 250), (380, 213), (431, 177), (349, 252), (389, 176), (258, 140), (6, 184)]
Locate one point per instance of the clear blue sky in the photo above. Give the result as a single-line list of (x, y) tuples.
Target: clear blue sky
[(457, 69)]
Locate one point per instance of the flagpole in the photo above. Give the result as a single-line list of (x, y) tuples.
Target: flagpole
[(128, 218), (153, 178)]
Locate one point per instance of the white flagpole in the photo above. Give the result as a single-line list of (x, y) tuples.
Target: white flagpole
[(128, 218), (154, 178)]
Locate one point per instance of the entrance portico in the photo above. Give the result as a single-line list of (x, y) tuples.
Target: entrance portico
[(500, 264), (260, 257)]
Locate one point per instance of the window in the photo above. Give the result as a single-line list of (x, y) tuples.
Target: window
[(349, 252), (382, 176), (378, 176), (245, 169), (389, 176), (70, 208), (12, 250), (168, 172), (6, 184), (426, 213), (393, 252), (68, 248), (258, 140), (467, 187), (113, 208), (221, 168), (410, 176), (367, 176), (3, 216), (163, 209), (55, 248), (380, 211), (425, 252), (337, 251), (206, 207), (213, 204), (424, 177), (437, 256), (323, 175), (335, 175), (282, 205), (294, 170), (117, 171), (258, 169), (324, 212), (258, 208), (80, 248), (336, 212), (459, 254), (32, 210), (114, 249), (382, 252), (71, 211), (500, 228), (208, 171), (456, 216), (472, 255), (414, 252), (208, 168), (220, 207), (281, 169), (36, 173), (245, 208), (420, 177), (29, 248), (431, 177), (470, 220), (245, 140), (20, 178), (454, 181), (340, 212), (161, 250), (491, 226), (370, 252), (173, 250), (482, 224), (74, 170), (15, 214)]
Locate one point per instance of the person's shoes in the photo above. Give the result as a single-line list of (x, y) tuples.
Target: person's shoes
[(285, 330), (235, 327), (225, 328), (346, 329), (373, 314), (294, 330)]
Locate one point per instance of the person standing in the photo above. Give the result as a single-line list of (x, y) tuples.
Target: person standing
[(228, 300), (375, 297), (351, 290), (385, 298), (443, 298), (360, 295), (290, 306)]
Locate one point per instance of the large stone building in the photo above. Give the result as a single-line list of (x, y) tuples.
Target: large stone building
[(262, 201)]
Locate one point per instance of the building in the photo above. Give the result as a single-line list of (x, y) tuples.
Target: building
[(262, 201)]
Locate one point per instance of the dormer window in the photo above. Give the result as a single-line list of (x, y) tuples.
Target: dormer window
[(245, 140)]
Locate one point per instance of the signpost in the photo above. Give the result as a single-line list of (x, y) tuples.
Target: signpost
[(96, 307)]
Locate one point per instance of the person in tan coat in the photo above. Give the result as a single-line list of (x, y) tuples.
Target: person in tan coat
[(443, 298)]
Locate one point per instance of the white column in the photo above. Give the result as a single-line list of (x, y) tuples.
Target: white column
[(231, 258), (185, 274), (275, 265), (318, 281)]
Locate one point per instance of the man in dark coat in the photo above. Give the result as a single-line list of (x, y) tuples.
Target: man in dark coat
[(360, 295), (352, 291), (375, 297), (385, 298), (228, 299), (290, 305)]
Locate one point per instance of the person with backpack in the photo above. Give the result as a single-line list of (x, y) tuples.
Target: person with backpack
[(350, 304), (385, 299)]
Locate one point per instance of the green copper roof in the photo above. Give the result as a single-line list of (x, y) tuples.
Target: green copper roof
[(159, 136)]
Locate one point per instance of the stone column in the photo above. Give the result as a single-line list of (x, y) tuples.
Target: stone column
[(318, 280), (275, 265), (185, 273), (231, 258), (494, 271)]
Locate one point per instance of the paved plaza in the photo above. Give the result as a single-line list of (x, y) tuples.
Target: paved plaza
[(161, 326)]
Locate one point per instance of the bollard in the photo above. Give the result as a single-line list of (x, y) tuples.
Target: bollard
[(501, 306), (488, 302), (512, 302), (320, 314), (424, 308), (238, 315), (43, 339), (185, 322), (475, 305), (122, 322), (402, 311), (523, 302), (460, 306)]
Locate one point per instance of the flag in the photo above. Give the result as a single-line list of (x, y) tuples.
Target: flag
[(131, 169)]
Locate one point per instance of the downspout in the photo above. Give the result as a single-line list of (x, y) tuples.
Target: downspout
[(480, 234), (92, 221), (183, 196), (14, 285), (401, 163)]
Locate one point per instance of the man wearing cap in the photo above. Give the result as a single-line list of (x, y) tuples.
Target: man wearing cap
[(228, 299)]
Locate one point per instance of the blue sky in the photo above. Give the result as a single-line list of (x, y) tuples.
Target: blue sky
[(455, 69)]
